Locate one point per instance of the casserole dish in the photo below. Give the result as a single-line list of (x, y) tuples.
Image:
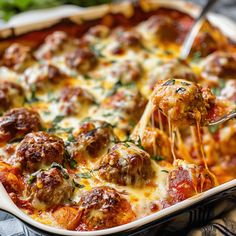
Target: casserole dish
[(208, 197)]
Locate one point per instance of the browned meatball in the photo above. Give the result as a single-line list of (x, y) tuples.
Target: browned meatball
[(93, 137), (49, 188), (99, 31), (126, 71), (72, 98), (130, 102), (53, 44), (102, 208), (127, 38), (220, 65), (17, 122), (11, 95), (163, 27), (183, 102), (81, 59), (39, 149), (95, 33), (41, 74), (126, 164), (16, 56), (204, 44)]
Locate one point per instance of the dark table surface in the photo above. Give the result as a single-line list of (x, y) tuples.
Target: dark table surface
[(225, 7)]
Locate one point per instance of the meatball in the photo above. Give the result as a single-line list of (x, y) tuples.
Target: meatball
[(104, 207), (174, 68), (126, 71), (39, 149), (39, 75), (204, 44), (126, 164), (49, 188), (93, 137), (72, 99), (129, 102), (183, 102), (162, 27), (11, 95), (220, 65), (17, 122), (99, 31), (54, 43), (127, 38), (187, 180), (157, 144), (96, 32), (16, 56), (81, 59)]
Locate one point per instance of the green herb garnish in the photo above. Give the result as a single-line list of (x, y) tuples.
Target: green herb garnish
[(157, 158), (213, 128), (77, 185), (60, 167), (85, 175)]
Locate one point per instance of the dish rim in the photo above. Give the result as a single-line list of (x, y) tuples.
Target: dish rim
[(222, 22)]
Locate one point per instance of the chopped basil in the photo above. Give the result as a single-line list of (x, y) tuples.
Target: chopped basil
[(217, 90), (77, 185), (165, 171), (85, 175), (71, 138), (87, 77), (196, 57), (46, 113), (117, 85), (168, 52), (107, 114), (58, 119), (15, 140), (169, 82), (157, 158), (132, 123), (185, 83), (139, 143), (33, 98), (213, 128), (31, 179), (126, 144), (97, 51), (73, 164), (180, 90), (59, 167)]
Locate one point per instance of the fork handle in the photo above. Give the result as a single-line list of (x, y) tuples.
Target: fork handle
[(188, 42), (225, 118)]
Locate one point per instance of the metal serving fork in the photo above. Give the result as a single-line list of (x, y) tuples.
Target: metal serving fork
[(188, 42), (187, 45), (224, 118)]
